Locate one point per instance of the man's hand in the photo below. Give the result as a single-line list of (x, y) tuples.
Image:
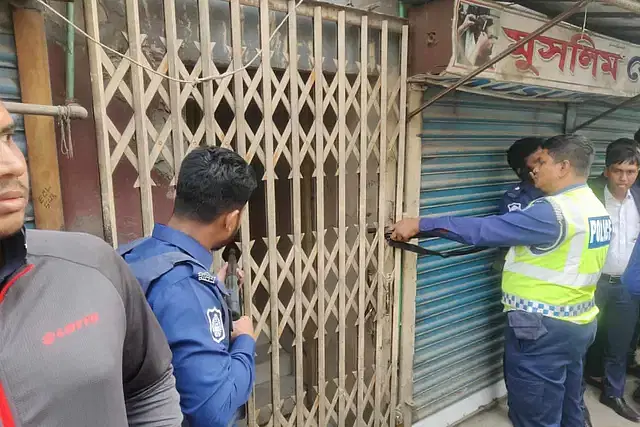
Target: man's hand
[(405, 229), (240, 274), (242, 326), (222, 273)]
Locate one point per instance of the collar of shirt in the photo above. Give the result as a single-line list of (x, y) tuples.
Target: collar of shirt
[(609, 198), (530, 190), (569, 188), (14, 254), (184, 242)]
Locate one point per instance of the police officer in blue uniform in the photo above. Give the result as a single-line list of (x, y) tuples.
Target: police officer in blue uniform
[(518, 196), (213, 356), (544, 355)]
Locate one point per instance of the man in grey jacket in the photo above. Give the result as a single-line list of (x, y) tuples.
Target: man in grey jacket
[(80, 345)]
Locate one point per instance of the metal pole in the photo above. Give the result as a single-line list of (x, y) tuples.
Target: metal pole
[(73, 111), (630, 5), (70, 70), (567, 13), (606, 113)]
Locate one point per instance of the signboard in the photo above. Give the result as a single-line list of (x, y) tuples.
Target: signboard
[(560, 64)]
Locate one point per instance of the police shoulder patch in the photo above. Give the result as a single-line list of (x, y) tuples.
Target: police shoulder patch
[(216, 325), (205, 276), (600, 229), (514, 207)]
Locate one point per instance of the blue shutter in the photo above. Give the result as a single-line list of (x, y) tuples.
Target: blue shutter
[(10, 86), (459, 320)]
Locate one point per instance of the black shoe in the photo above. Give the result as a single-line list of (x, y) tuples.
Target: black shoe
[(619, 405), (587, 418), (594, 382)]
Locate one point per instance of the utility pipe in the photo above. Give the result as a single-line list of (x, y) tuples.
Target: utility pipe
[(70, 71), (73, 111), (564, 15), (630, 5)]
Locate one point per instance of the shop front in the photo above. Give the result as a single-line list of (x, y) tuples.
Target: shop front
[(550, 84)]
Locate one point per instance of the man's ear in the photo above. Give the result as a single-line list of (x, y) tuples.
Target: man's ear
[(232, 220), (565, 168)]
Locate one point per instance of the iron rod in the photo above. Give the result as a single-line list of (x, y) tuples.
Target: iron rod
[(74, 111), (630, 5), (572, 10)]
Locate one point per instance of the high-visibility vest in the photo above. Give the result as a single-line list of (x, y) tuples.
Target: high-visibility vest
[(560, 281)]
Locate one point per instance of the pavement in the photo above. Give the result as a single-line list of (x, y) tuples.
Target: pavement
[(601, 415)]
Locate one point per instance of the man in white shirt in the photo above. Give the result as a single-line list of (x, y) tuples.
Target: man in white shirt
[(607, 357)]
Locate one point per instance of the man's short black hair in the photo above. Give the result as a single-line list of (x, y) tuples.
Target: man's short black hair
[(623, 150), (577, 149), (212, 181), (518, 153), (637, 136)]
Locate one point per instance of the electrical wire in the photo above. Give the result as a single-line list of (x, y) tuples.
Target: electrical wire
[(151, 70)]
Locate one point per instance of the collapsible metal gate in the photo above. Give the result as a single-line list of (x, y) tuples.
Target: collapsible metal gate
[(321, 116)]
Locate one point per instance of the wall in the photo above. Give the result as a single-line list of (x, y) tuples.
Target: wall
[(79, 175)]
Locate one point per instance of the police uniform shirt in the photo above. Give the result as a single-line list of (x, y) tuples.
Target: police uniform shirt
[(214, 375), (518, 197)]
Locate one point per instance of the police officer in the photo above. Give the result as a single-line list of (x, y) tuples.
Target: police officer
[(558, 247), (519, 195), (213, 356)]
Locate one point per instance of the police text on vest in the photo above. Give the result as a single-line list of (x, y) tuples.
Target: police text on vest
[(600, 229)]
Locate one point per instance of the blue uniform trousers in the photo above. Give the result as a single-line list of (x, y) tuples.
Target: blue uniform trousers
[(543, 370), (608, 355)]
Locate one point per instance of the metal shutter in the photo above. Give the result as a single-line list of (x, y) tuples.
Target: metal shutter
[(459, 320)]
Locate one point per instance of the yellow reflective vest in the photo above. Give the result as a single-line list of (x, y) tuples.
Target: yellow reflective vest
[(560, 281)]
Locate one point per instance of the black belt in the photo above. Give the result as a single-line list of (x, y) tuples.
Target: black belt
[(424, 251), (611, 279)]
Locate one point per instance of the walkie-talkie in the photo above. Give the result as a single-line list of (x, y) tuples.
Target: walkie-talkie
[(230, 255)]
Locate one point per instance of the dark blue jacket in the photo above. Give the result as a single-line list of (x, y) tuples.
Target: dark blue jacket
[(518, 197), (214, 376)]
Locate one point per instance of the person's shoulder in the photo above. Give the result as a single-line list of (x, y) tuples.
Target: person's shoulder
[(597, 183), (77, 251), (181, 288), (75, 247), (511, 198), (513, 190)]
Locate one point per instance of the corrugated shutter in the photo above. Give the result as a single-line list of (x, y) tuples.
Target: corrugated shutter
[(459, 320), (10, 84), (620, 124)]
